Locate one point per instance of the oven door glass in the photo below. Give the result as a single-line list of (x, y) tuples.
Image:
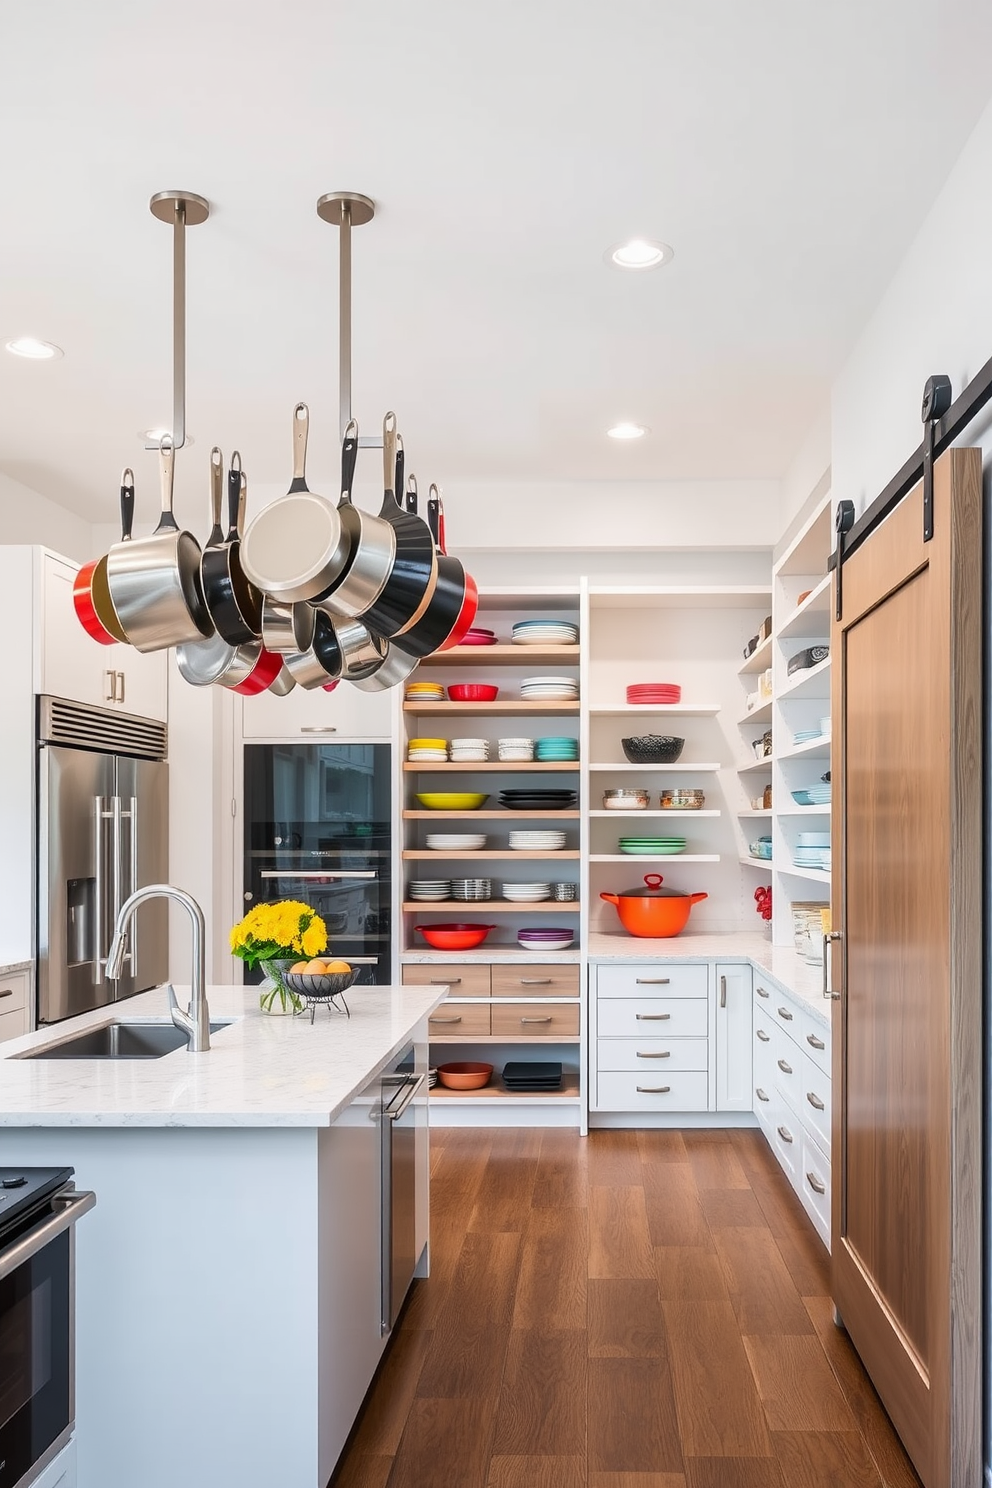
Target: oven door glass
[(36, 1345), (317, 829)]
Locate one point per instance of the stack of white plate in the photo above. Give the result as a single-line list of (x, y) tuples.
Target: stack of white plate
[(536, 841), (456, 841), (516, 749), (429, 890), (549, 689), (426, 755), (469, 749), (545, 633), (526, 893)]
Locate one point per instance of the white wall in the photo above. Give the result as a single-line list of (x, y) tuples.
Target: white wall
[(806, 473), (935, 316), (27, 517)]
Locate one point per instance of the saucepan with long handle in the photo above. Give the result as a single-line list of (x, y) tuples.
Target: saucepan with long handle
[(296, 547), (154, 581), (91, 591), (372, 545), (413, 576), (215, 659), (234, 602), (428, 629)]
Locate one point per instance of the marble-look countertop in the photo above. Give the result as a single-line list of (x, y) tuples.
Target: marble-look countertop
[(781, 964), (260, 1071), (10, 966)]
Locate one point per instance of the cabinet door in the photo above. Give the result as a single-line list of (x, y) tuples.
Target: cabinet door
[(143, 683), (733, 1038), (345, 713)]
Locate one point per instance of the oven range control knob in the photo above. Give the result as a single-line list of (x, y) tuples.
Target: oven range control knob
[(17, 1182)]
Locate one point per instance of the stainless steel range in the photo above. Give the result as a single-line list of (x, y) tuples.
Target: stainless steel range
[(39, 1208)]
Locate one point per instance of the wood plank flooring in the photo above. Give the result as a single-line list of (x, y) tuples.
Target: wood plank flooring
[(629, 1310)]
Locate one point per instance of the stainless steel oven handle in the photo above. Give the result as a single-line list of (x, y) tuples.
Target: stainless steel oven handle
[(72, 1206), (413, 1084), (315, 873)]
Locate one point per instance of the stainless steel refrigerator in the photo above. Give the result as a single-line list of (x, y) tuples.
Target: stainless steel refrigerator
[(103, 831)]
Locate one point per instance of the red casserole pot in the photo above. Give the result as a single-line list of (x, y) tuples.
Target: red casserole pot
[(91, 591), (653, 912), (454, 937)]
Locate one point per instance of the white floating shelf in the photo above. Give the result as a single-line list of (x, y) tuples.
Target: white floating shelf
[(758, 661), (762, 764), (688, 710), (654, 857), (761, 714), (812, 749), (805, 810), (764, 864), (812, 617), (812, 682), (687, 768), (764, 811), (629, 815), (814, 875)]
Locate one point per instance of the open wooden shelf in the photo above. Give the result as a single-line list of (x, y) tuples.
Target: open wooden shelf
[(493, 906), (495, 1090), (503, 813), (495, 1038), (500, 655), (511, 707), (506, 853), (442, 767)]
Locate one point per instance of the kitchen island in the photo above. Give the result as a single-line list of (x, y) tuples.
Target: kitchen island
[(228, 1280)]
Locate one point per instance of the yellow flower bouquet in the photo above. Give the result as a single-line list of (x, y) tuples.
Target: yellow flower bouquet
[(273, 936)]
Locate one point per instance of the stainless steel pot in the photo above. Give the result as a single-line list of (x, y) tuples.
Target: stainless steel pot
[(203, 663), (296, 547), (286, 628), (395, 667), (282, 684), (372, 545), (362, 653), (154, 581), (321, 662)]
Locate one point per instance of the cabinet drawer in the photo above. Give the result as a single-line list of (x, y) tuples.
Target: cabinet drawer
[(13, 1024), (644, 1017), (535, 1020), (464, 981), (788, 1075), (816, 1095), (653, 1055), (646, 1091), (786, 1014), (816, 1042), (815, 1187), (535, 981), (460, 1020), (15, 990), (787, 1141), (646, 979)]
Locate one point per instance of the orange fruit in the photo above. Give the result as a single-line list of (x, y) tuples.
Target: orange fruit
[(337, 966), (300, 966), (315, 968)]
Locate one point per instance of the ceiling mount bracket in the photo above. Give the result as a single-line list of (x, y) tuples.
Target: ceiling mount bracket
[(181, 209), (345, 210)]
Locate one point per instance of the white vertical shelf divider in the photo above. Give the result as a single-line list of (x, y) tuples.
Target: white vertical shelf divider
[(585, 1063)]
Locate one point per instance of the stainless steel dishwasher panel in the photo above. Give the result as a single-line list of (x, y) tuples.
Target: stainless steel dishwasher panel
[(399, 1116)]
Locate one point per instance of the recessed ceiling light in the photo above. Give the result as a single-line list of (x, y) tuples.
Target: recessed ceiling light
[(155, 436), (640, 253), (627, 431), (33, 349)]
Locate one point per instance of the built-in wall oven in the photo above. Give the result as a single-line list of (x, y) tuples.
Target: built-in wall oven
[(38, 1211)]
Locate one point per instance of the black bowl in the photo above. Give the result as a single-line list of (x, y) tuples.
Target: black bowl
[(653, 749)]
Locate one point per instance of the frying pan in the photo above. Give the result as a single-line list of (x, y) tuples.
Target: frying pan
[(372, 545), (470, 605), (413, 576), (429, 628), (90, 591), (216, 535), (296, 547), (154, 581), (204, 662), (321, 662), (286, 628), (235, 604)]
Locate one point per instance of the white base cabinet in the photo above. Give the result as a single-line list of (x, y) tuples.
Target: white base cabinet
[(15, 1004), (733, 1038), (61, 1471)]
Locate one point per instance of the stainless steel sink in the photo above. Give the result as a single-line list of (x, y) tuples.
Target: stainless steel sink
[(120, 1041)]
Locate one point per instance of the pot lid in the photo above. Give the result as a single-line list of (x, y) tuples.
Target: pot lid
[(653, 890)]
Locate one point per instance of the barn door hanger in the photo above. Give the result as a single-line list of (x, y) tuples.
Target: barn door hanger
[(936, 402)]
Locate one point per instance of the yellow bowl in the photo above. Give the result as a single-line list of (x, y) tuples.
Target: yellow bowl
[(427, 743), (452, 800)]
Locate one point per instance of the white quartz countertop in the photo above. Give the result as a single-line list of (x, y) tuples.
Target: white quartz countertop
[(781, 964), (260, 1071), (9, 966)]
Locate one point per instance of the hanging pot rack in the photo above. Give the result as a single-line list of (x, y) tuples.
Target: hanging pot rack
[(181, 209)]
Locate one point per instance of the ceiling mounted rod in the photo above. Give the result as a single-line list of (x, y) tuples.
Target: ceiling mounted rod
[(182, 209), (345, 210)]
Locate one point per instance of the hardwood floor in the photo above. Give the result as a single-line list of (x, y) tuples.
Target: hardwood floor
[(630, 1310)]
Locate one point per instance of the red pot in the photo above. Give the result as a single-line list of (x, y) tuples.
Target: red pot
[(653, 912)]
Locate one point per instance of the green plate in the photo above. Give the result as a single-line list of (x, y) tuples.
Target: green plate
[(651, 850)]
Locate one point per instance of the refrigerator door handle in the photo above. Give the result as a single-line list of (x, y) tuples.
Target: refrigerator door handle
[(133, 882), (116, 862), (100, 912)]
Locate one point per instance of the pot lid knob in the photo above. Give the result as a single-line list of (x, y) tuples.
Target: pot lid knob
[(654, 880)]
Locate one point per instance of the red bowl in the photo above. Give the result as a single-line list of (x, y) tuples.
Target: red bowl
[(464, 1074), (454, 937), (473, 692)]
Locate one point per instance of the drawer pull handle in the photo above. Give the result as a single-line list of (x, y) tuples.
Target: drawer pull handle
[(652, 981), (761, 992), (653, 1089), (536, 981), (445, 981), (537, 1020), (313, 728), (760, 1093), (784, 1013), (723, 991), (785, 1134), (815, 1101), (446, 1020), (652, 1017), (652, 1054), (785, 1068), (7, 992), (814, 1042), (815, 1184), (765, 1038)]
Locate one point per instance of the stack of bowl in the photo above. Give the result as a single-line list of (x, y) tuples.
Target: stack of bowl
[(471, 889), (424, 692), (549, 689), (545, 633), (479, 636), (556, 747), (473, 692), (680, 798), (452, 800), (476, 750), (626, 800), (427, 750), (516, 749), (456, 842)]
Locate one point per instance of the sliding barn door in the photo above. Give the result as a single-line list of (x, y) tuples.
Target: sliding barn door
[(907, 831)]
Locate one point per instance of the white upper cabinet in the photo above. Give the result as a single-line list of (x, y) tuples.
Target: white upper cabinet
[(345, 713), (75, 666)]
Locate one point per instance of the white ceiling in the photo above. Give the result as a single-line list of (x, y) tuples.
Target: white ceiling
[(787, 149)]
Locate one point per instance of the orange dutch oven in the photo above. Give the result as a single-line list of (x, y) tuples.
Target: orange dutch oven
[(653, 912)]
